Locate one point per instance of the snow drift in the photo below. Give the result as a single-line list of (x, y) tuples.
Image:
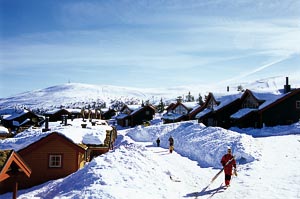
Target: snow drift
[(206, 145)]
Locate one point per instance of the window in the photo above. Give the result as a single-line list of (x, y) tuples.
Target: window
[(180, 110), (297, 104), (250, 102), (211, 104), (55, 161)]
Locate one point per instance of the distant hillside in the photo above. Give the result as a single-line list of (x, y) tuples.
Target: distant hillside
[(77, 95)]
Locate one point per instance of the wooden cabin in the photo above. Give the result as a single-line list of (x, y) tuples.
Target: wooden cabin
[(51, 157), (133, 115), (57, 115), (178, 112), (18, 120), (107, 114), (217, 111), (267, 109)]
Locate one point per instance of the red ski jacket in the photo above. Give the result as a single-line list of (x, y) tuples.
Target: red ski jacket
[(228, 168)]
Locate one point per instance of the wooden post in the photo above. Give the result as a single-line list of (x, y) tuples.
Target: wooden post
[(15, 191)]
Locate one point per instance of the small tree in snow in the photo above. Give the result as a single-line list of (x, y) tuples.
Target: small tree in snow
[(200, 100)]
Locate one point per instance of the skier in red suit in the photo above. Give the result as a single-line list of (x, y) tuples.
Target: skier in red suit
[(228, 158)]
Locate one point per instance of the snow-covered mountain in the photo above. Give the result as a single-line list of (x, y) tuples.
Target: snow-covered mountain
[(77, 95)]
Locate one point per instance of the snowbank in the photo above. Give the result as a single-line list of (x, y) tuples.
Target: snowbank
[(271, 131), (206, 145)]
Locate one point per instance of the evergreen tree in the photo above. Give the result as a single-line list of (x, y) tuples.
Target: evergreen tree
[(160, 106), (189, 97), (240, 88), (200, 100)]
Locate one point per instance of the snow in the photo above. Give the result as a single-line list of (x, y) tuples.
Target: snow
[(242, 112), (89, 135), (3, 130), (268, 161), (10, 114)]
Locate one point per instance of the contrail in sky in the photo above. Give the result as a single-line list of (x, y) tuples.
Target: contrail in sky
[(241, 76)]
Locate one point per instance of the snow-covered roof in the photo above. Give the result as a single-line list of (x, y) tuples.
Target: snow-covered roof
[(121, 116), (242, 112), (3, 130), (171, 116), (195, 108), (53, 111), (225, 100), (133, 107), (203, 113), (91, 135), (136, 110), (190, 105), (266, 97), (74, 110), (10, 114)]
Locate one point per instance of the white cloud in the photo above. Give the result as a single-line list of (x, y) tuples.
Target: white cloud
[(187, 38)]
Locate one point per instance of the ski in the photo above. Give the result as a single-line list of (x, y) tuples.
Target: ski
[(214, 178), (217, 175), (175, 179)]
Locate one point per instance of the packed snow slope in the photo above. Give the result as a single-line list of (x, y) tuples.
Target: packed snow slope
[(268, 167)]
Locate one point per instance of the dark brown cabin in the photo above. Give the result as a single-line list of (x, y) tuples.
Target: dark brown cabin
[(57, 115), (133, 116), (261, 111), (217, 112)]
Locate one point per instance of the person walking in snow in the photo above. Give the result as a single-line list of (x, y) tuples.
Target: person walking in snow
[(171, 144), (158, 142), (228, 162)]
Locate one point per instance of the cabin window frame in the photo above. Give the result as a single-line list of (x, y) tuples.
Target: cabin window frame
[(57, 162)]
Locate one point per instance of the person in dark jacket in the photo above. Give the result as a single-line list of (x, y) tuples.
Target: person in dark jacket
[(228, 162), (171, 144), (158, 142)]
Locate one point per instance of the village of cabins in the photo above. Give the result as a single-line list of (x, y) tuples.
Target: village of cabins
[(59, 147)]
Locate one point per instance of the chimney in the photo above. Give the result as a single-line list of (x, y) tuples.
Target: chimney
[(287, 87), (65, 118), (46, 125), (179, 99)]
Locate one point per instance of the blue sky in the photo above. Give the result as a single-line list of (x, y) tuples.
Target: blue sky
[(145, 43)]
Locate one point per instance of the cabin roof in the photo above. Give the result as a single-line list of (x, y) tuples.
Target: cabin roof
[(10, 159)]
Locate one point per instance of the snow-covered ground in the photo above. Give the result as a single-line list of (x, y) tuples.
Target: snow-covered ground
[(268, 165)]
